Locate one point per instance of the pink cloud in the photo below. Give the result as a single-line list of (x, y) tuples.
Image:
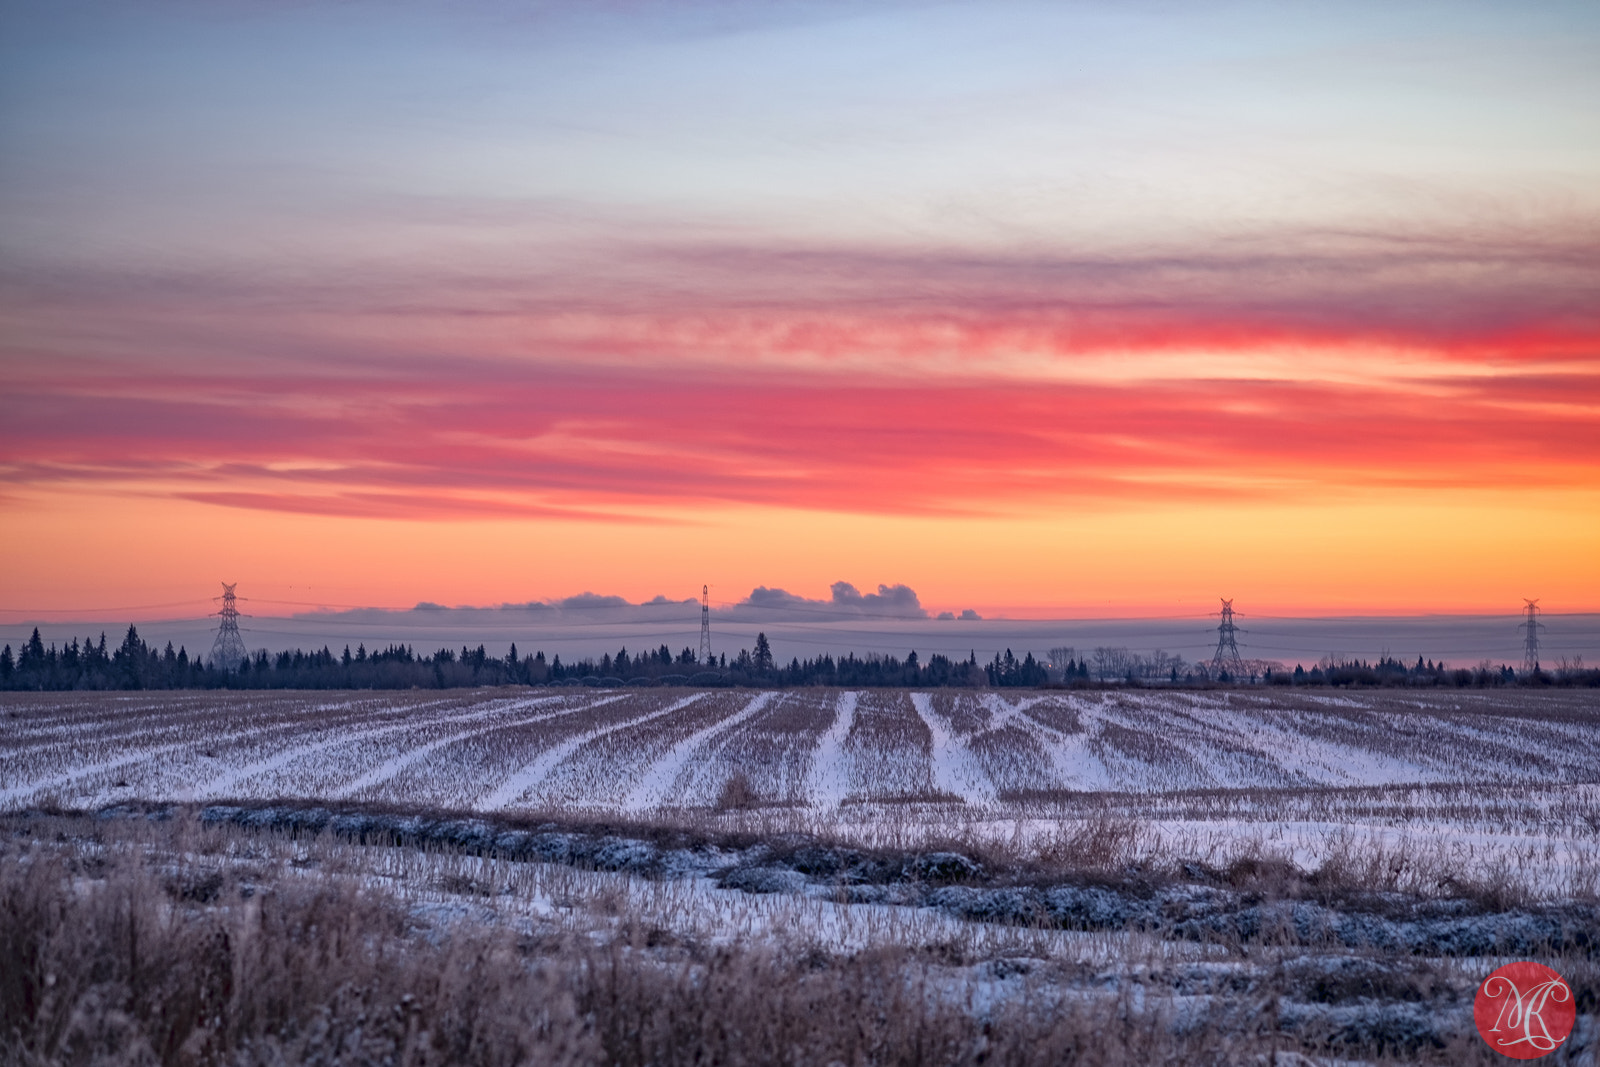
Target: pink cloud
[(842, 378), (489, 439)]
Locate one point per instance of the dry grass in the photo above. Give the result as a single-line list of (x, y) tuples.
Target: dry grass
[(737, 794), (131, 941), (113, 961), (1099, 844)]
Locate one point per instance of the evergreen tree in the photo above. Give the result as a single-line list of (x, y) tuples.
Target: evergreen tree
[(32, 658), (129, 660)]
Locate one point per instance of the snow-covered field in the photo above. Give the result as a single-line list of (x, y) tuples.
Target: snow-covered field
[(1113, 853), (523, 749), (1499, 776)]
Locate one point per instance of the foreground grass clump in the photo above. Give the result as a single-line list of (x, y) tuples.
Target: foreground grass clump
[(109, 961), (174, 941)]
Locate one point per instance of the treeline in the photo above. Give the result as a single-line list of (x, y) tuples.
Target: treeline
[(1123, 667), (1426, 673), (134, 664), (1117, 665)]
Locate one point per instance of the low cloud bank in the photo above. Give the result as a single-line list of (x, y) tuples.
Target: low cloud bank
[(845, 602), (583, 607)]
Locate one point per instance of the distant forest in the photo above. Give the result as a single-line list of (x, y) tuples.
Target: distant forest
[(135, 665)]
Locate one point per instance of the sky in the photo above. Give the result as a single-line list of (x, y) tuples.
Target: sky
[(1044, 311)]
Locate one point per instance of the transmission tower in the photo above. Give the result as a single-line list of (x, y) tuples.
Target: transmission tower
[(227, 651), (1227, 657), (705, 624), (1530, 643)]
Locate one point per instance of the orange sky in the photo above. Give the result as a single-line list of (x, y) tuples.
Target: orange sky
[(1030, 468), (1027, 499), (473, 311), (1381, 557)]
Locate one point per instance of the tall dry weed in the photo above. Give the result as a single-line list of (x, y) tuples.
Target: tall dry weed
[(135, 950), (1101, 843)]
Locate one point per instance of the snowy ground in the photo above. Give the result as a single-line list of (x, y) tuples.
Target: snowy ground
[(1359, 980), (1476, 779), (1022, 850)]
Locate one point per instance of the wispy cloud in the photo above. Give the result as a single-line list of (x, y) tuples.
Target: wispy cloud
[(487, 438), (1512, 293)]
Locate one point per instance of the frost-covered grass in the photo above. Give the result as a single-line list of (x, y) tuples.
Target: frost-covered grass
[(811, 876), (199, 938)]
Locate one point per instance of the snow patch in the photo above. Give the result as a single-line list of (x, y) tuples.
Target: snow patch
[(395, 764), (829, 781), (955, 772), (655, 786), (220, 785), (518, 784)]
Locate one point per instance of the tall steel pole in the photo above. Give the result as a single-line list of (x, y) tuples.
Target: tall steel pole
[(705, 624), (1530, 642), (227, 651), (1227, 657)]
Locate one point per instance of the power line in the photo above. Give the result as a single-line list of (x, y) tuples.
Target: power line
[(124, 607)]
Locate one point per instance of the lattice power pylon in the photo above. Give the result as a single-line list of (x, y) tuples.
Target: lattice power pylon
[(705, 624), (227, 651), (1227, 657), (1530, 641)]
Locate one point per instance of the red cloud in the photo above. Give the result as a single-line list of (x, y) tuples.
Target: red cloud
[(834, 379), (490, 439)]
